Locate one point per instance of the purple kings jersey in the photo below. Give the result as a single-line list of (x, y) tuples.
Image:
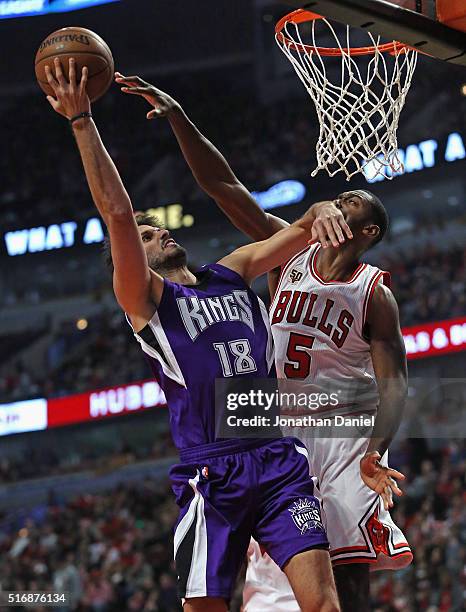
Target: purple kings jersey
[(217, 328)]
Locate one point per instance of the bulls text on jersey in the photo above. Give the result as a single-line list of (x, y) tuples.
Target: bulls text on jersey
[(298, 306)]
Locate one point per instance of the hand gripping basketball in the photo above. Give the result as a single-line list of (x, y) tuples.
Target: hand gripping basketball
[(163, 104), (70, 98), (380, 479)]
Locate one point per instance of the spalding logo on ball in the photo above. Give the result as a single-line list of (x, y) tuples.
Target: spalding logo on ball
[(87, 48)]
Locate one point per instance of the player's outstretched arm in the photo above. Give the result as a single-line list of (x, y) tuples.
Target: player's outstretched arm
[(134, 284), (215, 176), (389, 360), (210, 169), (253, 260)]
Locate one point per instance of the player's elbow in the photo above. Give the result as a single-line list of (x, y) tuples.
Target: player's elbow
[(255, 267), (133, 297)]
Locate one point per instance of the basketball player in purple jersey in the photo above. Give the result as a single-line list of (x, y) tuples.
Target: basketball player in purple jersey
[(196, 328), (346, 228)]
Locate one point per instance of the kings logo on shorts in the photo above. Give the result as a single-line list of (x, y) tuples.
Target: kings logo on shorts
[(306, 515)]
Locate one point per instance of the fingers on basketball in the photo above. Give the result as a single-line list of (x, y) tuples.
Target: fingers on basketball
[(59, 72), (50, 78), (84, 77), (72, 72)]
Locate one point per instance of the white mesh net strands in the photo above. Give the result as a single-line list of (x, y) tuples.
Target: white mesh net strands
[(359, 114)]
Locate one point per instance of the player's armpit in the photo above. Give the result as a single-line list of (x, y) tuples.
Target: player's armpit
[(273, 278), (136, 288), (389, 361)]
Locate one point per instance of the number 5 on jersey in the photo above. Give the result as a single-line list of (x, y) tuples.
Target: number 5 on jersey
[(299, 364)]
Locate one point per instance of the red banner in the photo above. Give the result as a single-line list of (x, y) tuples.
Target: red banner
[(435, 338), (32, 415), (110, 402)]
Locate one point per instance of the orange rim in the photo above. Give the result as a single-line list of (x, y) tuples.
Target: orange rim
[(301, 16)]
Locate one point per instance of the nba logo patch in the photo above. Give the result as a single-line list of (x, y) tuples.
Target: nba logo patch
[(205, 472), (306, 515), (295, 276)]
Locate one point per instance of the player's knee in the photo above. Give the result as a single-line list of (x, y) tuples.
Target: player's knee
[(324, 606), (326, 601)]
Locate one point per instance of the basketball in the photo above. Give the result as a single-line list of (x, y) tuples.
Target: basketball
[(87, 48)]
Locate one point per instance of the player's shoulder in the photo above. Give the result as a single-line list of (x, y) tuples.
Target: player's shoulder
[(383, 302), (383, 293), (222, 272)]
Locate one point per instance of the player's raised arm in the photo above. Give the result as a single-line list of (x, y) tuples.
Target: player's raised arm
[(389, 360), (210, 169), (215, 176), (253, 260), (134, 284)]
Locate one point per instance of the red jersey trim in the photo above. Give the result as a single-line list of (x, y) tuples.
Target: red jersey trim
[(315, 273), (353, 549), (386, 280), (348, 560)]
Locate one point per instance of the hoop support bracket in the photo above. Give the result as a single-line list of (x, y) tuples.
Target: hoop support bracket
[(394, 23)]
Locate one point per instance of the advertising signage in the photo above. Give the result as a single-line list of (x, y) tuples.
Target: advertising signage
[(40, 414), (427, 340), (422, 155), (29, 8)]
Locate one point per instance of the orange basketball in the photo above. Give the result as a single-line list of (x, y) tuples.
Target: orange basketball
[(87, 48)]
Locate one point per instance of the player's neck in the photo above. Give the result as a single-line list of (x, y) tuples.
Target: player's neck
[(182, 276), (337, 264)]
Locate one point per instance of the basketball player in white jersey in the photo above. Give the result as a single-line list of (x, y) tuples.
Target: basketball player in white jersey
[(332, 317)]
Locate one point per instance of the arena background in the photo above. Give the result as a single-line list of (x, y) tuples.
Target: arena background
[(85, 504)]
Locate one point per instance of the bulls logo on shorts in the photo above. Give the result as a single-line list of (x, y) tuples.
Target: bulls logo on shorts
[(306, 515)]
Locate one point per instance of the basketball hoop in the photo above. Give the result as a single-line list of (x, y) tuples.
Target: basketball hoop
[(358, 115)]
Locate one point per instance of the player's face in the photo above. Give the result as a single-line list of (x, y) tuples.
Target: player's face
[(356, 209), (162, 251)]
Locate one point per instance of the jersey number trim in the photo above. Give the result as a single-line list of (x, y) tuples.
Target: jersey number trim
[(299, 364), (241, 351)]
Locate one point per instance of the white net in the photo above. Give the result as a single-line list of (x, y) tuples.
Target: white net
[(359, 111)]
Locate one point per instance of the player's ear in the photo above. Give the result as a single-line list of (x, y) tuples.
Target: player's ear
[(372, 231)]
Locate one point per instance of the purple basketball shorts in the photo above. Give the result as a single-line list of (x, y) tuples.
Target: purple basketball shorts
[(231, 490)]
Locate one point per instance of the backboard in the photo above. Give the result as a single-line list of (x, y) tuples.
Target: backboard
[(434, 27)]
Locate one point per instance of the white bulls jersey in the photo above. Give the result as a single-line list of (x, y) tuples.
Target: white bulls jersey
[(319, 332), (319, 327)]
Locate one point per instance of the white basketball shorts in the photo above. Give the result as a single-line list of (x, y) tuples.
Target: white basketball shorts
[(358, 528)]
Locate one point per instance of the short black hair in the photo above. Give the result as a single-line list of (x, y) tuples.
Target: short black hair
[(142, 218), (379, 216)]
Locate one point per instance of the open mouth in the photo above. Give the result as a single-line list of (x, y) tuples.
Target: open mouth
[(169, 242)]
